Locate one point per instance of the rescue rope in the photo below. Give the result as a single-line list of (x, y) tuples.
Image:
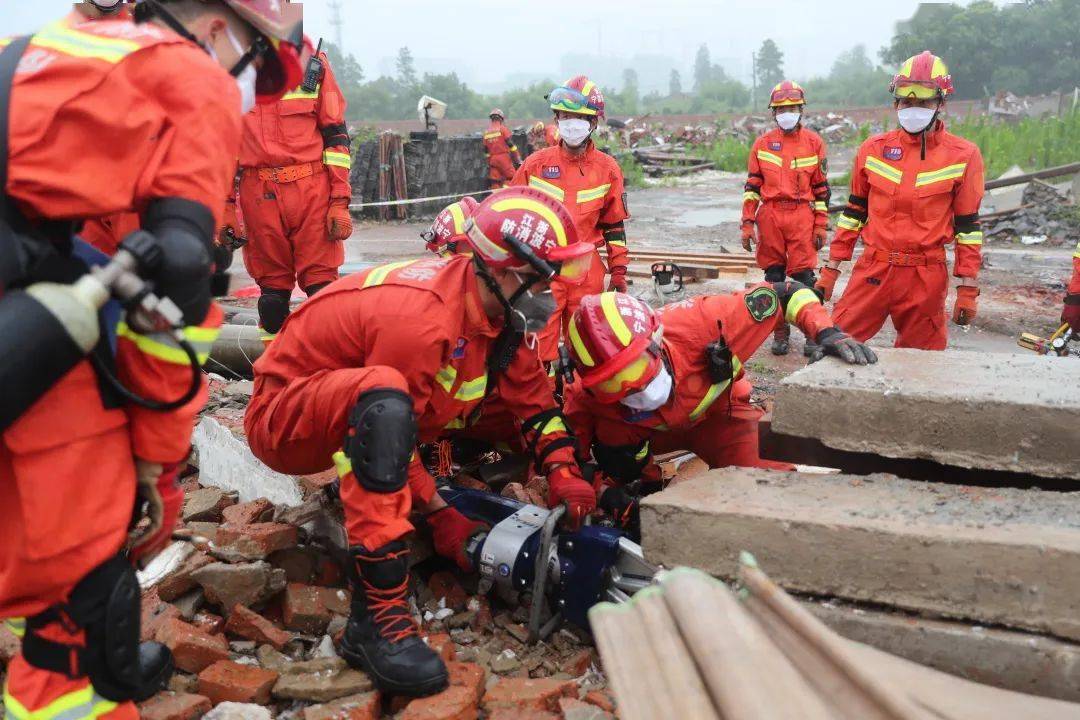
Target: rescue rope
[(414, 201)]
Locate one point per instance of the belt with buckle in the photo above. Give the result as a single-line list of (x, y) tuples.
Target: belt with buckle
[(288, 173), (906, 259)]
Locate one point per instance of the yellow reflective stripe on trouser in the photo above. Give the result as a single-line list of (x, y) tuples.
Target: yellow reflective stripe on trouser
[(714, 392), (946, 173), (804, 162), (164, 346), (472, 389), (820, 206), (753, 196), (579, 347), (377, 275), (970, 238), (337, 159), (553, 190), (57, 36), (615, 320), (884, 169), (849, 223), (595, 193), (798, 301), (17, 625), (301, 94), (768, 157), (83, 704)]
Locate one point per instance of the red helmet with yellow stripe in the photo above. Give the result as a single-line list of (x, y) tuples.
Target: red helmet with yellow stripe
[(521, 228), (615, 345), (449, 229), (922, 76), (787, 93), (578, 95)]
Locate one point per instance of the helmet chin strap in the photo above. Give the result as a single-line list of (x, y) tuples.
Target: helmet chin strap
[(484, 272)]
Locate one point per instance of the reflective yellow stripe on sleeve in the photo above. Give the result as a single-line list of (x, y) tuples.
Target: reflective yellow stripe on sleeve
[(766, 156), (970, 238), (377, 275), (643, 452), (849, 223), (798, 301), (57, 36), (553, 190), (820, 206), (595, 193), (16, 625), (164, 346), (337, 159), (751, 196), (884, 169), (554, 425), (82, 704), (714, 392), (472, 389)]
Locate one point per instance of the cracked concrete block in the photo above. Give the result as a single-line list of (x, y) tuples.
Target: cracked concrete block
[(1001, 556), (1018, 413), (226, 462)]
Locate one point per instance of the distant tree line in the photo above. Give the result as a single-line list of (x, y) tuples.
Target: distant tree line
[(1028, 48)]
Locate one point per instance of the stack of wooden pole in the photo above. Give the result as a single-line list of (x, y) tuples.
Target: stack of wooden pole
[(393, 183), (694, 265), (692, 648)]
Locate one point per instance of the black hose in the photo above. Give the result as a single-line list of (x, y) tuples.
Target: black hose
[(155, 405)]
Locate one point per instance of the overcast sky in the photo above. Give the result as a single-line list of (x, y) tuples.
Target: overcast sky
[(487, 41)]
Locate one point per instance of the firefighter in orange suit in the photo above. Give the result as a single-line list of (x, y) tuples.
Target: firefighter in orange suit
[(407, 353), (913, 191), (652, 382), (81, 455), (590, 183), (551, 134), (787, 198), (1071, 312), (295, 192), (447, 234), (502, 154)]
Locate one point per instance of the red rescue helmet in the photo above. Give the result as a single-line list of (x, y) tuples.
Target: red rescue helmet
[(497, 113), (787, 93), (516, 227), (578, 95), (615, 345), (448, 232), (279, 28), (923, 76)]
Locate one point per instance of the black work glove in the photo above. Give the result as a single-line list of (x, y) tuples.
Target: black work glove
[(832, 341), (623, 508)]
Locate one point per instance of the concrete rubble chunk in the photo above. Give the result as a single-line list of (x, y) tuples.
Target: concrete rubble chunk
[(238, 711), (205, 505), (321, 686), (256, 540), (1001, 556), (174, 706), (363, 706), (226, 462), (990, 411), (244, 584)]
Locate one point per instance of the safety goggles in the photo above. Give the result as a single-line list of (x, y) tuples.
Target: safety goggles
[(917, 90), (633, 377), (787, 96), (570, 100)]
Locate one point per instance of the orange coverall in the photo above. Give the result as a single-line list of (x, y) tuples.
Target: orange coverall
[(551, 134), (295, 161), (67, 466), (591, 187), (787, 195), (715, 421), (500, 148), (415, 326), (1074, 284), (907, 208), (106, 233)]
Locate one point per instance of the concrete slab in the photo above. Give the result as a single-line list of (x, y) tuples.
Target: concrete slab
[(1019, 413), (1009, 659), (1000, 556), (225, 461)]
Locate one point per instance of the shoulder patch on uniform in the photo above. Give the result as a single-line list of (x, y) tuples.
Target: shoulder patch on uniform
[(774, 145), (551, 172), (892, 153), (762, 303)]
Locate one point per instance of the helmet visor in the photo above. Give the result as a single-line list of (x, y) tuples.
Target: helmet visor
[(636, 375), (570, 100), (787, 96)]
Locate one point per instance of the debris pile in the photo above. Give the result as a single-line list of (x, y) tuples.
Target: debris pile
[(1045, 214)]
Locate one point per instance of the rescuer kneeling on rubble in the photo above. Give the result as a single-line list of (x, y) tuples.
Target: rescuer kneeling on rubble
[(406, 353), (913, 191), (659, 381)]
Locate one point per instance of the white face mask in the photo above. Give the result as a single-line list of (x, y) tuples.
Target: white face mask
[(915, 119), (787, 120), (653, 396), (245, 81), (574, 131)]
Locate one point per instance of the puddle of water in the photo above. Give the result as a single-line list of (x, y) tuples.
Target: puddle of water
[(708, 217)]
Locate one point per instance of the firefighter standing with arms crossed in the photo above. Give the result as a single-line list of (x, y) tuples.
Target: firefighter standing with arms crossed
[(295, 192), (502, 154), (78, 456), (913, 191), (590, 184), (406, 353), (652, 382), (787, 198)]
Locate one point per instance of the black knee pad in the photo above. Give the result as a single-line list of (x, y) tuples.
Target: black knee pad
[(381, 439), (106, 605), (273, 309), (806, 277), (312, 289), (774, 273)]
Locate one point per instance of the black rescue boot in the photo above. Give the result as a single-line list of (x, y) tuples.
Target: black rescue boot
[(781, 340), (381, 638)]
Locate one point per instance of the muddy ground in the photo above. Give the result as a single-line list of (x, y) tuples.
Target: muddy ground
[(1021, 285)]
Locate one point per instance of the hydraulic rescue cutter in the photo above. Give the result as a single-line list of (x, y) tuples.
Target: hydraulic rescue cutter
[(565, 572), (1057, 344)]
